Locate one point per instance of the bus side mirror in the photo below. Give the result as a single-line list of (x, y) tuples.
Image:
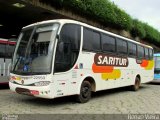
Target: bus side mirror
[(61, 47)]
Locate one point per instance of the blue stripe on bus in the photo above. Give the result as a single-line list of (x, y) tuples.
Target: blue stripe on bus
[(157, 55)]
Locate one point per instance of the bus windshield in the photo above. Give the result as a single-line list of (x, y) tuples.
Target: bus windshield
[(33, 53)]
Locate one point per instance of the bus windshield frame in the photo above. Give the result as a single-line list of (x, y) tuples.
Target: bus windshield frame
[(34, 51)]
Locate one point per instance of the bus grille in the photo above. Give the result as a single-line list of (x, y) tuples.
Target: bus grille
[(23, 91)]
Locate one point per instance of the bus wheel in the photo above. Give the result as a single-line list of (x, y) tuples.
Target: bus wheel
[(85, 92), (136, 86)]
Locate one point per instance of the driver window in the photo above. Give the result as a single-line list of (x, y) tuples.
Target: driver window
[(70, 37)]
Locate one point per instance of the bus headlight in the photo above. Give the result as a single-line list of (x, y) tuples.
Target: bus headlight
[(42, 83)]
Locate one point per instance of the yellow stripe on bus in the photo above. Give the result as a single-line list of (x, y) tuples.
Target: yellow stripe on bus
[(114, 75)]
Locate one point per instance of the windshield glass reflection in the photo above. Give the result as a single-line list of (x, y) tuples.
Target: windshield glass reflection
[(34, 52)]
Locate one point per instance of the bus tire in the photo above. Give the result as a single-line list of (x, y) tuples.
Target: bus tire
[(136, 85), (85, 92)]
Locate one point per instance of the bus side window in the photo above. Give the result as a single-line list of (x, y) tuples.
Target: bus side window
[(121, 46), (108, 43), (2, 50), (146, 53), (140, 52), (132, 49), (67, 47), (91, 40), (150, 54), (9, 50)]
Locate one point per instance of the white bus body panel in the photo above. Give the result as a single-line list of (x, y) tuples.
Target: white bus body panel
[(69, 83)]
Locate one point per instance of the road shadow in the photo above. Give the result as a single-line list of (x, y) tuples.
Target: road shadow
[(71, 99), (116, 91), (4, 86), (49, 102), (154, 83)]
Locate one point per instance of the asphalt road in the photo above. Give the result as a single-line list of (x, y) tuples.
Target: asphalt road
[(115, 101)]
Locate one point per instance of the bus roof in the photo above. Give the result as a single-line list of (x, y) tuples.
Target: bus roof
[(63, 21)]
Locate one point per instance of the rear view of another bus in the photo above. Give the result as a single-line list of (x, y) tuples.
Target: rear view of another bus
[(157, 68), (6, 50)]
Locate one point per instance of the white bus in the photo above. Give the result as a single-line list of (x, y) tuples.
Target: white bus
[(6, 51), (63, 57)]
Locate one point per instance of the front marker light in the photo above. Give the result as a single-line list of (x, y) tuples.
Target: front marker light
[(11, 79), (42, 83)]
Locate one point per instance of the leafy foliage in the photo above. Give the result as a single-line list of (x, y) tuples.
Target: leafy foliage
[(138, 29), (108, 14), (152, 35), (102, 11)]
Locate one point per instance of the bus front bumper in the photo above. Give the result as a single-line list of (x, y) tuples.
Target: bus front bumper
[(37, 91)]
